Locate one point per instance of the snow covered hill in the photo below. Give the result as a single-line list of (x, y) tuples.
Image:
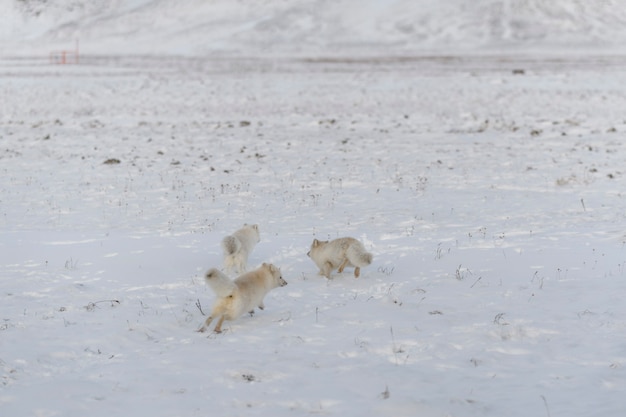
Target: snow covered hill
[(312, 26)]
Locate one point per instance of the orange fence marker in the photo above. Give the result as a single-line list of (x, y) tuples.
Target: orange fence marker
[(64, 56)]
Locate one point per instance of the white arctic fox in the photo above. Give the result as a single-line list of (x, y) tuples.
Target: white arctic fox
[(237, 248), (339, 253), (244, 294)]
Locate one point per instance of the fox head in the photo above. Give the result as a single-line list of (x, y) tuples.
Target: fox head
[(316, 243), (255, 229), (276, 274)]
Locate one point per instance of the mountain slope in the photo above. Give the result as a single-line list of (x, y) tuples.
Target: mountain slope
[(314, 26)]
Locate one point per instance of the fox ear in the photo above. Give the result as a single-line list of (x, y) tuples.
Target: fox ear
[(256, 227), (316, 242), (264, 265), (273, 268)]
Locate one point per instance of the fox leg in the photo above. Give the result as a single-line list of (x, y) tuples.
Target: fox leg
[(357, 272), (328, 267), (343, 265), (218, 327), (242, 264), (206, 324)]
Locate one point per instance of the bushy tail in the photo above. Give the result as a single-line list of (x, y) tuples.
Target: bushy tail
[(221, 285), (231, 245), (358, 256)]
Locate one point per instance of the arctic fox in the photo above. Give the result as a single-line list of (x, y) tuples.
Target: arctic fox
[(242, 295), (237, 248), (339, 253)]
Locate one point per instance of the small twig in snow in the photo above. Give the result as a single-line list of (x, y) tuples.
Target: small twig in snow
[(385, 394), (476, 282), (199, 306), (92, 306), (498, 319), (545, 402), (172, 310), (393, 342)]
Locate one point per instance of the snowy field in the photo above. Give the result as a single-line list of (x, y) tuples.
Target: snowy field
[(490, 191), (475, 148)]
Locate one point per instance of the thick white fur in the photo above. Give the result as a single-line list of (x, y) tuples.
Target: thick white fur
[(242, 295), (237, 248), (339, 253)]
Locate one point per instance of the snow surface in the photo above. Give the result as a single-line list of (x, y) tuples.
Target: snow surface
[(489, 188)]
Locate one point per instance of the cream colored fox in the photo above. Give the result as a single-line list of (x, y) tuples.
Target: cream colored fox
[(237, 248), (242, 295), (339, 253)]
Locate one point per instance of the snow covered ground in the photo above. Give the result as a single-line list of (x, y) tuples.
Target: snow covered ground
[(493, 203), (489, 188)]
